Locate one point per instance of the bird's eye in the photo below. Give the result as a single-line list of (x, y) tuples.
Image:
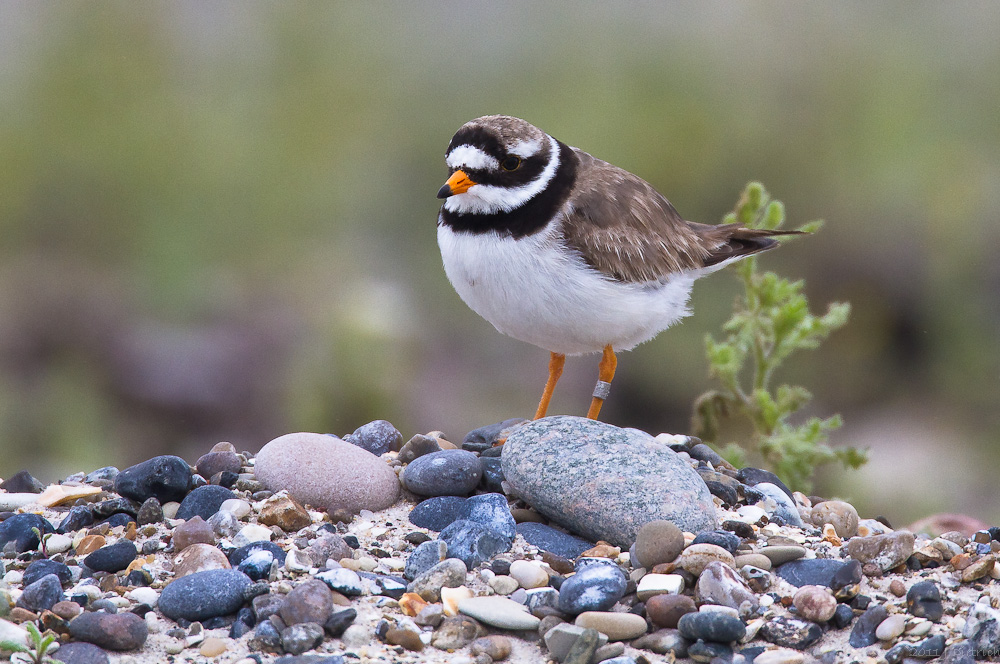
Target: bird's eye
[(510, 163)]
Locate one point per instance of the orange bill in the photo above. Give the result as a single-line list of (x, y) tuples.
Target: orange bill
[(458, 183)]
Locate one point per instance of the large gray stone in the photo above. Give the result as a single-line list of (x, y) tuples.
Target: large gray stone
[(601, 481)]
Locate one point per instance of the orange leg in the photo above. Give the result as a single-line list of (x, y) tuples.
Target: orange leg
[(556, 362), (606, 373)]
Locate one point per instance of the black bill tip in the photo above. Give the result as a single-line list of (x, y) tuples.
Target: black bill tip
[(444, 191)]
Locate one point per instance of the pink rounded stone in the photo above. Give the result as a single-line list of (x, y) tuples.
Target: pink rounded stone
[(327, 472)]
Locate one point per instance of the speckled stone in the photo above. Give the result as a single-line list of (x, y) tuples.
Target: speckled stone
[(448, 573), (112, 631), (552, 540), (424, 557), (885, 551), (842, 516), (656, 542), (666, 610), (326, 472), (721, 584), (551, 464), (473, 543), (789, 632), (204, 595), (444, 473), (815, 603)]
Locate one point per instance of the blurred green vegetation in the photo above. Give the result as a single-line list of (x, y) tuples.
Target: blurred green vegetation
[(218, 218)]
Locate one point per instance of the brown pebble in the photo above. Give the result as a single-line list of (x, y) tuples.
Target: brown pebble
[(404, 637), (558, 563), (497, 646), (411, 604), (130, 531), (664, 568), (658, 541), (285, 512), (223, 447), (522, 515), (193, 531), (213, 646), (897, 588), (19, 615), (66, 609), (665, 610), (602, 550), (89, 544)]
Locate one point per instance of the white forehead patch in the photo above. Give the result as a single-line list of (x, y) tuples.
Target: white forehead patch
[(471, 157), (525, 149)]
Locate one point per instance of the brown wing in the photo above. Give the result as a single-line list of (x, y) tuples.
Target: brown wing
[(624, 228)]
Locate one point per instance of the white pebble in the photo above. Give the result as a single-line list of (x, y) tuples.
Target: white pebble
[(528, 574), (13, 577), (891, 627), (297, 560), (394, 564), (170, 509), (751, 513), (252, 533), (237, 507), (143, 595), (58, 543), (780, 656)]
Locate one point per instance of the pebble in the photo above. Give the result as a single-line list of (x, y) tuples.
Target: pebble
[(552, 540), (111, 631), (213, 647), (884, 551), (143, 595), (329, 546), (819, 572), (81, 652), (218, 462), (842, 516), (42, 594), (483, 438), (499, 612), (560, 640), (236, 506), (815, 603), (863, 632), (549, 463), (251, 533), (456, 632), (780, 656), (339, 621), (310, 601), (327, 472), (285, 512), (437, 513), (754, 476), (711, 626), (656, 542), (424, 557), (112, 558), (666, 610), (923, 599), (617, 626), (237, 556), (342, 580), (496, 646), (18, 529), (166, 478), (204, 501), (697, 557), (758, 560), (377, 437), (407, 638), (224, 524), (781, 554), (44, 567), (982, 628), (199, 557), (492, 511), (783, 506), (528, 574), (418, 446), (79, 517), (891, 627), (788, 632), (193, 531), (68, 610), (723, 538), (596, 587), (444, 473), (721, 584), (651, 585), (503, 585), (302, 637), (473, 543), (448, 573), (204, 595)]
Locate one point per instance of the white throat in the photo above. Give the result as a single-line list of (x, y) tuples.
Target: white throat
[(490, 199)]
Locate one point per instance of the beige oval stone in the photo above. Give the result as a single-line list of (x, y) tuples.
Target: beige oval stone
[(842, 516), (697, 557), (198, 558), (618, 626), (529, 574), (327, 472), (213, 646), (758, 560)]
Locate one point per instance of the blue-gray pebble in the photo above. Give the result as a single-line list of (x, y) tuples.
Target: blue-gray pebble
[(444, 473), (18, 529), (236, 556), (40, 568), (552, 540), (81, 652), (437, 513), (42, 594), (827, 572), (923, 600), (204, 502), (166, 477), (472, 542), (491, 510), (112, 558), (863, 632), (257, 565), (203, 595), (594, 587), (723, 538), (377, 437), (424, 557), (711, 626)]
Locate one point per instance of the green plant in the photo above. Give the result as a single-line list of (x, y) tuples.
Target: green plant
[(771, 320), (43, 539), (35, 654)]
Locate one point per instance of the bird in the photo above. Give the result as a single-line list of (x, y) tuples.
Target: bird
[(567, 252)]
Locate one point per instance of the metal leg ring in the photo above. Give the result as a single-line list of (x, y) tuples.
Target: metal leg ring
[(602, 389)]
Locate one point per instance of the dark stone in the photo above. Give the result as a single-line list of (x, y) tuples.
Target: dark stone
[(264, 606), (550, 539), (226, 479), (842, 617), (204, 595), (257, 565), (204, 501), (437, 513), (472, 542), (112, 631), (43, 567), (218, 462), (118, 505), (42, 594), (103, 474), (702, 452), (119, 519), (339, 621), (726, 540), (22, 482), (112, 558), (17, 529), (424, 557), (266, 637), (79, 517), (827, 572), (711, 626), (301, 637), (80, 652), (961, 652), (243, 624), (377, 437), (932, 646), (167, 477), (236, 556), (727, 494), (149, 512), (492, 474), (863, 632), (754, 476), (138, 577), (492, 511), (444, 473), (486, 437), (596, 586), (740, 529), (923, 600), (790, 632), (386, 585), (708, 651)]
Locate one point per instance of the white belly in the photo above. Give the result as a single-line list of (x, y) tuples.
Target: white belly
[(532, 290)]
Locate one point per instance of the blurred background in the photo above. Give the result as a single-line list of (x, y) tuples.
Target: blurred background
[(217, 219)]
